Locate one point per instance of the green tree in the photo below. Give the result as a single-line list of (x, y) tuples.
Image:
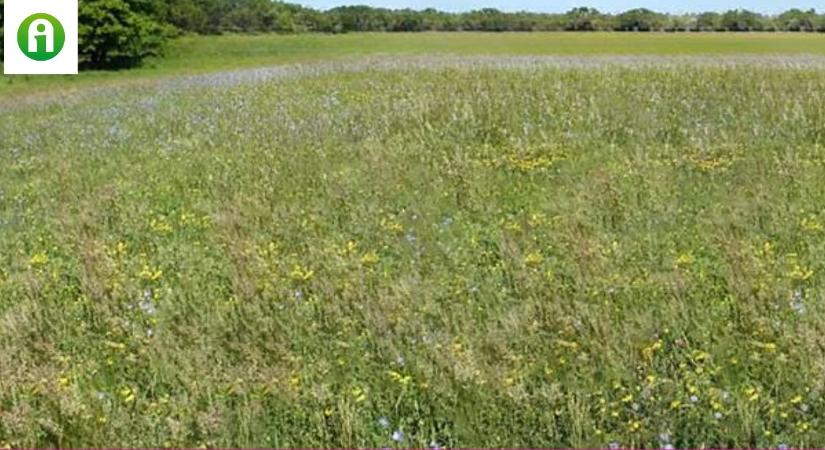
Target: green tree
[(113, 34), (798, 20), (743, 20), (640, 19), (584, 19)]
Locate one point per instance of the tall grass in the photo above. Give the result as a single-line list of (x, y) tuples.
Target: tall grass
[(434, 257)]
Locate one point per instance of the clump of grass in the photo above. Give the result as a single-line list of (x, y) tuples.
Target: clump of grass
[(465, 256)]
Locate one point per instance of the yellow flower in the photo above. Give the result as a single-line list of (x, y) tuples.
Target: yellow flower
[(350, 247), (797, 399), (392, 226), (811, 224), (150, 274), (533, 259), (800, 273), (127, 394), (650, 350), (160, 226), (685, 259), (675, 404), (39, 260), (370, 259), (359, 395), (300, 273)]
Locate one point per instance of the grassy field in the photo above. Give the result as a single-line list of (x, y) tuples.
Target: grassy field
[(191, 55), (446, 255)]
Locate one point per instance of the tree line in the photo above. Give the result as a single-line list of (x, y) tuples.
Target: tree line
[(121, 33)]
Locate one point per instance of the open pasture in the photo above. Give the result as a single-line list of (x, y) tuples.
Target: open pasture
[(521, 252), (191, 55)]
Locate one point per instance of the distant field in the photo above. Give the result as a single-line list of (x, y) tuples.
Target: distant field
[(205, 54), (488, 252)]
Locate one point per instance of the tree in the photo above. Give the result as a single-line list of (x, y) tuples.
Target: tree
[(742, 20), (583, 19), (113, 35), (640, 19), (798, 20)]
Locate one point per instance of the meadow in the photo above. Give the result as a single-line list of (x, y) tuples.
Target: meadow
[(419, 252), (191, 55)]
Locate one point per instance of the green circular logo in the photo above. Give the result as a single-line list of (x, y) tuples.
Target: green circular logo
[(41, 37)]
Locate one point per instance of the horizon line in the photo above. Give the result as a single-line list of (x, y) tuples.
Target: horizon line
[(561, 11)]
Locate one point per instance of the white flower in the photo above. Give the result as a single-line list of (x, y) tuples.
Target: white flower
[(397, 436)]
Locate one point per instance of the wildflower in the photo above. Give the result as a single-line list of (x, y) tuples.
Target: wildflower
[(685, 259), (370, 259), (811, 224), (783, 446), (613, 446), (397, 436), (533, 259), (800, 273), (717, 415), (146, 305), (753, 394), (301, 273), (400, 361), (127, 394), (160, 226), (359, 394), (384, 422), (149, 274), (796, 399), (667, 447), (350, 247), (650, 350), (39, 260), (392, 226), (434, 445), (694, 398), (675, 404)]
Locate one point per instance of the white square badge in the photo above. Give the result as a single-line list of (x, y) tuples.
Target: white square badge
[(39, 37)]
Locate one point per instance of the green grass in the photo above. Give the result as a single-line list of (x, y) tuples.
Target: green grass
[(484, 257), (207, 54)]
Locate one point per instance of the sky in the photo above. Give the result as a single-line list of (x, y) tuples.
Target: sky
[(669, 6)]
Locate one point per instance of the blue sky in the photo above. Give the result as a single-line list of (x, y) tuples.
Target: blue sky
[(674, 6)]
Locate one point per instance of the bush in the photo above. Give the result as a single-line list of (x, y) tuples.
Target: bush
[(117, 34)]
